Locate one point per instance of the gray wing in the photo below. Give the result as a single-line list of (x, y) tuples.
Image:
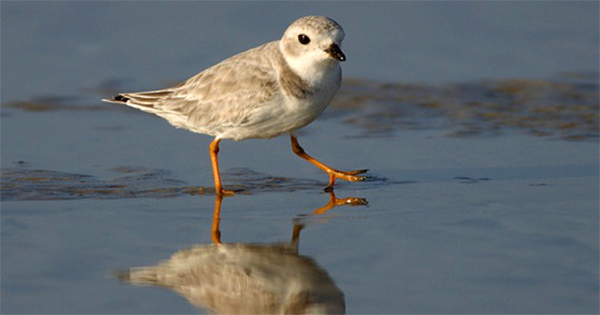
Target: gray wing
[(227, 94)]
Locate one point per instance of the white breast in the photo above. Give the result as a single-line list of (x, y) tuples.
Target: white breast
[(287, 113)]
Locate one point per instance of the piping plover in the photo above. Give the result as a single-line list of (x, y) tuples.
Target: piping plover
[(276, 88)]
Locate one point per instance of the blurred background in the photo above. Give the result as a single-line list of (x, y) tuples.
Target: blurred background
[(68, 48)]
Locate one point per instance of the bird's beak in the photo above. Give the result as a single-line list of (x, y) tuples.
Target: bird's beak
[(335, 52)]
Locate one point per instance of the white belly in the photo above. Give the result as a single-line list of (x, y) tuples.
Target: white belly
[(286, 114)]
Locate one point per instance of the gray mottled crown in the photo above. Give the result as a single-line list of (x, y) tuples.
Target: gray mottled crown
[(317, 23)]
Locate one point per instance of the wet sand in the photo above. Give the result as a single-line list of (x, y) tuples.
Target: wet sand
[(475, 213)]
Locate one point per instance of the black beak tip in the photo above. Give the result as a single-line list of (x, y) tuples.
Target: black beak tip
[(336, 53)]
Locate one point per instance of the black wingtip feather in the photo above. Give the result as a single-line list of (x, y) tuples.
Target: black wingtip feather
[(121, 98)]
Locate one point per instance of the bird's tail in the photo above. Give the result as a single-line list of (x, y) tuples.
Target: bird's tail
[(147, 101), (139, 276)]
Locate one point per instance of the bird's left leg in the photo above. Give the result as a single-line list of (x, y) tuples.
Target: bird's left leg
[(333, 173)]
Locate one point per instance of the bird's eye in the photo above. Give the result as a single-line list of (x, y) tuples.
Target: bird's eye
[(303, 39)]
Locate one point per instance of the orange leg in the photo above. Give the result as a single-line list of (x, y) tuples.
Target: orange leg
[(333, 173), (214, 151)]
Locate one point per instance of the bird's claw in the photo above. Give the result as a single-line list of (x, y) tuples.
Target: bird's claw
[(351, 176), (356, 172)]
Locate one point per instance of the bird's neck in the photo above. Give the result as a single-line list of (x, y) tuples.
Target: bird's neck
[(315, 72)]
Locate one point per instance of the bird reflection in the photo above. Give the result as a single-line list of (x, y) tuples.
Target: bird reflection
[(239, 278)]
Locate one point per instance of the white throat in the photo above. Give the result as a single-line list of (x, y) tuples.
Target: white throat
[(314, 68)]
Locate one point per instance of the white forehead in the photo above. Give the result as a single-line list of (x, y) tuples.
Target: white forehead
[(316, 25)]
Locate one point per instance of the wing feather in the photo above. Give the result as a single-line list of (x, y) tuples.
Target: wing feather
[(228, 94)]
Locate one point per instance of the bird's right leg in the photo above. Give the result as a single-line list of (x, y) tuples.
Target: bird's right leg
[(214, 151)]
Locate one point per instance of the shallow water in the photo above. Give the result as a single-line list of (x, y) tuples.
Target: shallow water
[(482, 195)]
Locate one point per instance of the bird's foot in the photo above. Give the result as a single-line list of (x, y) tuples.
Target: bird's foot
[(224, 193), (351, 176)]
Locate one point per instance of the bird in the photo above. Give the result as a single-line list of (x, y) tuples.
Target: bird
[(264, 92)]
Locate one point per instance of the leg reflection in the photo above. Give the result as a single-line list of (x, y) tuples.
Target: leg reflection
[(333, 202), (216, 232), (247, 278)]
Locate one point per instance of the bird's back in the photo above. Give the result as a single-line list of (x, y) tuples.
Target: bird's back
[(227, 95)]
